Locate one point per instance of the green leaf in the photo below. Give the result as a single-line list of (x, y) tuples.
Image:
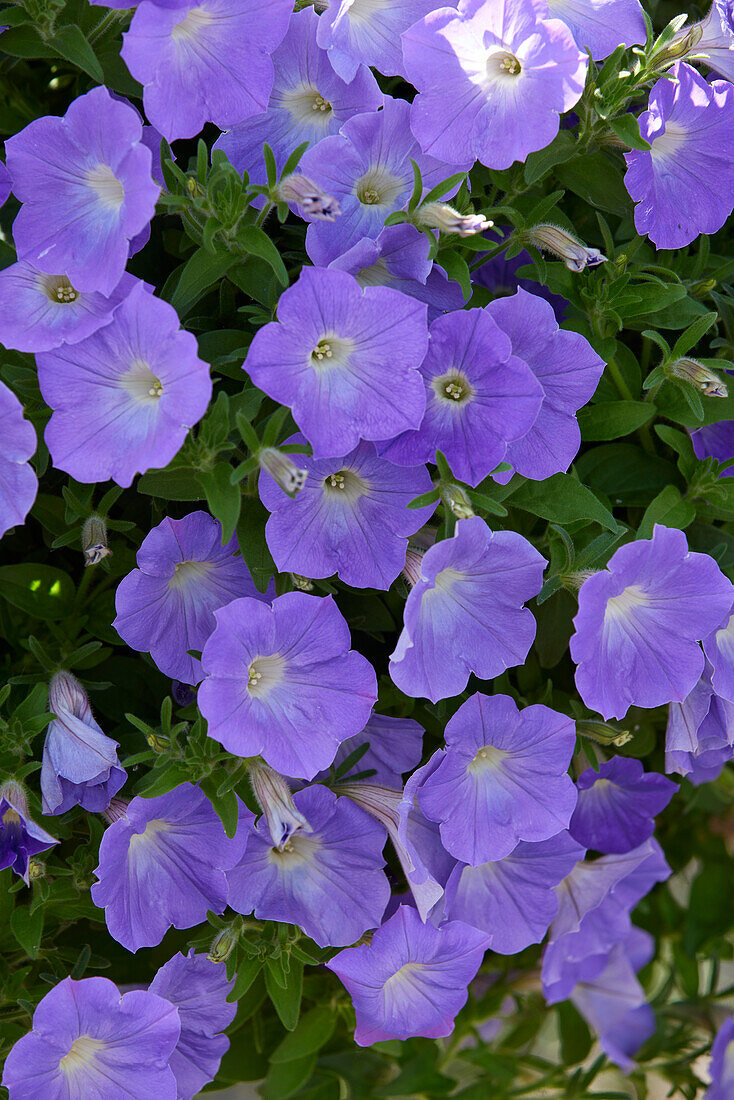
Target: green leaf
[(27, 928), (26, 42), (40, 590), (613, 419), (695, 332), (627, 129), (561, 149), (70, 43), (287, 1001), (625, 473), (247, 971), (667, 508), (200, 272), (286, 1078), (222, 496), (415, 197), (651, 298), (176, 483), (562, 499), (225, 805), (258, 243), (596, 178), (456, 268), (444, 186), (314, 1030), (251, 539)]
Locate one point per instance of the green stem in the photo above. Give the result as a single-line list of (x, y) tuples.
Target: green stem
[(643, 434)]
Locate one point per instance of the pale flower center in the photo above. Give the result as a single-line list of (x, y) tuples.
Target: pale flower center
[(374, 275), (664, 145), (379, 187), (140, 382), (57, 288), (152, 829), (502, 65), (190, 28), (487, 758), (297, 850), (363, 11), (626, 603), (306, 104), (186, 572), (346, 485), (446, 579), (405, 975), (106, 186), (264, 674), (453, 387), (82, 1054), (331, 351)]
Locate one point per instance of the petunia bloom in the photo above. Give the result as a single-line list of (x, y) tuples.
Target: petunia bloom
[(493, 77), (512, 899), (479, 397), (640, 622), (20, 837), (412, 979), (367, 168), (124, 398), (699, 739), (684, 185), (308, 102), (601, 25), (568, 371), (80, 765), (204, 60), (715, 441), (95, 165), (39, 312), (722, 1063), (88, 1040), (282, 682), (18, 481), (198, 989), (351, 518), (162, 863), (466, 612), (344, 359), (394, 748), (617, 805), (719, 650), (166, 606), (716, 40), (329, 882), (354, 32), (501, 779)]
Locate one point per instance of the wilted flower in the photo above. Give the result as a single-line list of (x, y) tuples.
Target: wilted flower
[(441, 216), (275, 799), (282, 469), (551, 238), (303, 192), (20, 837)]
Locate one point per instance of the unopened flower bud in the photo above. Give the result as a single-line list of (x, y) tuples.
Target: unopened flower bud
[(412, 567), (302, 584), (682, 45), (441, 216), (302, 191), (690, 370), (116, 810), (577, 578), (604, 733), (14, 794), (36, 869), (157, 742), (703, 287), (559, 242), (457, 501), (223, 944), (94, 541), (65, 693), (282, 469), (276, 801)]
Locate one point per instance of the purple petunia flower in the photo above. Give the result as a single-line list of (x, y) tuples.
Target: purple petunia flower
[(595, 902), (80, 765), (124, 399), (20, 837), (163, 864), (492, 79), (502, 778), (722, 1063), (351, 517), (640, 621), (204, 61), (282, 682), (617, 805), (367, 169), (395, 747), (18, 481), (88, 1041), (198, 989), (412, 979), (6, 184), (719, 650), (466, 612), (344, 359), (398, 258), (329, 882), (717, 38), (568, 370), (601, 25), (96, 167), (512, 899), (715, 441), (699, 739), (613, 1003), (166, 606), (369, 33), (308, 102), (685, 184), (479, 397), (39, 312)]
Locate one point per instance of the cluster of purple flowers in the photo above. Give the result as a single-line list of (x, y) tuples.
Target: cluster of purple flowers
[(501, 843)]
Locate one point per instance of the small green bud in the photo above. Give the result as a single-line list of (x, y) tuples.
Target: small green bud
[(223, 944)]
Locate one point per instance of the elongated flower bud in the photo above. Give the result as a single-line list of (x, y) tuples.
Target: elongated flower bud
[(223, 944), (65, 693), (603, 732), (551, 238), (441, 216), (684, 43), (276, 801), (94, 541), (282, 469), (302, 191), (458, 502), (690, 370), (301, 583)]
